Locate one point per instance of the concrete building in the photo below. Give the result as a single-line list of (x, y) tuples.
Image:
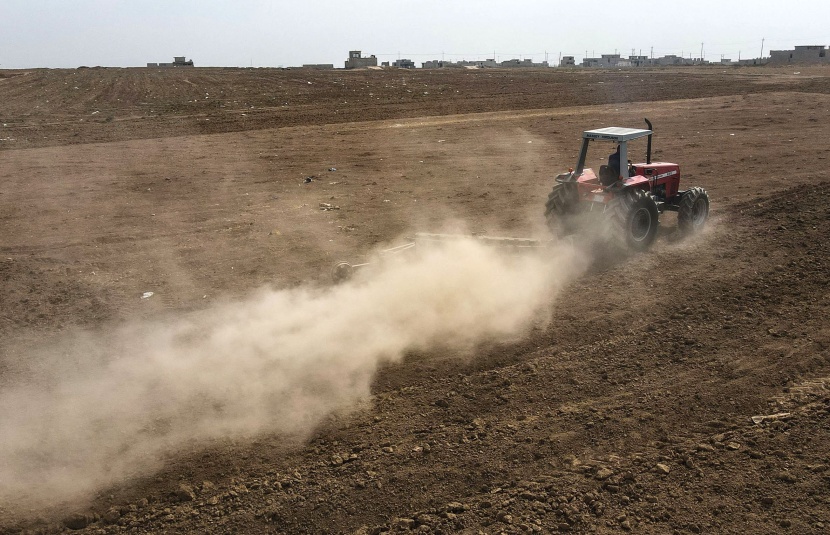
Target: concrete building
[(752, 62), (178, 61), (484, 64), (523, 63), (356, 61), (489, 63), (671, 59), (441, 64), (319, 66), (567, 61), (606, 61), (808, 54), (404, 64), (639, 61)]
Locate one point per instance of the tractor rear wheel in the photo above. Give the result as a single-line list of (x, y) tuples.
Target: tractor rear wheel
[(633, 218), (693, 210), (561, 208)]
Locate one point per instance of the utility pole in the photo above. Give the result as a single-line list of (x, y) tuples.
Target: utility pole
[(701, 52), (652, 52), (762, 47)]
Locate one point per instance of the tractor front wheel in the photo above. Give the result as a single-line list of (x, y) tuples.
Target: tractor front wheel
[(633, 218), (693, 211), (561, 208)]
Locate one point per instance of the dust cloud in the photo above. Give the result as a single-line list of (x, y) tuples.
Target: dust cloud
[(105, 407)]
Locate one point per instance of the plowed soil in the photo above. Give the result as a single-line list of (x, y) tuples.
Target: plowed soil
[(683, 390)]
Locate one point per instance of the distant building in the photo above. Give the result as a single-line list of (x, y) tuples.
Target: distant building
[(319, 66), (639, 61), (615, 60), (482, 64), (815, 54), (605, 61), (567, 61), (178, 61), (479, 64), (514, 63), (751, 62), (671, 59), (441, 64), (404, 64), (356, 61)]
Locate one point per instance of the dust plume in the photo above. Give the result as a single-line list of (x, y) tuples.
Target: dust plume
[(105, 407)]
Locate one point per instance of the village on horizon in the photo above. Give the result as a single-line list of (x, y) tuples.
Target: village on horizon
[(800, 55)]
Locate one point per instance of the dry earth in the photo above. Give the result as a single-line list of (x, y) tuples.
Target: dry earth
[(632, 410)]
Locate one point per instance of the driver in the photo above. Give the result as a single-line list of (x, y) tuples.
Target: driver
[(614, 162)]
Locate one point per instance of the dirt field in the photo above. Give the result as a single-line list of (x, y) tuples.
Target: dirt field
[(630, 410)]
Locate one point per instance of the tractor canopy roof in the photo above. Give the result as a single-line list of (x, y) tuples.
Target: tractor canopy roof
[(615, 133)]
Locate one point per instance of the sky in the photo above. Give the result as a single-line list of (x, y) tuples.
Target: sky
[(260, 33)]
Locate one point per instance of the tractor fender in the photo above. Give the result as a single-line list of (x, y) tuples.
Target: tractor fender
[(637, 181)]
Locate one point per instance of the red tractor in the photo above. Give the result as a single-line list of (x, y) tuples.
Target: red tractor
[(632, 199)]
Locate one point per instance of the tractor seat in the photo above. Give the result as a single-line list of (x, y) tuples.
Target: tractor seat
[(607, 175)]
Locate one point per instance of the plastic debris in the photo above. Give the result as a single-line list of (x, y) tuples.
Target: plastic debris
[(147, 295), (769, 417)]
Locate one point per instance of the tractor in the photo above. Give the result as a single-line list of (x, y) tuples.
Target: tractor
[(629, 196), (631, 202)]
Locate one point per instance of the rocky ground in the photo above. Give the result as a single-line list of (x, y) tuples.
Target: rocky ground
[(684, 390)]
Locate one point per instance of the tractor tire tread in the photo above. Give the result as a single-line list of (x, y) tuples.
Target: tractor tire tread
[(620, 209), (561, 206), (686, 210)]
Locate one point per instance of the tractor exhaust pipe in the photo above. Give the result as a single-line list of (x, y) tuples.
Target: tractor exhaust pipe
[(648, 148)]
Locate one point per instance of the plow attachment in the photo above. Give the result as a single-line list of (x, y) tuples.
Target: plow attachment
[(344, 270)]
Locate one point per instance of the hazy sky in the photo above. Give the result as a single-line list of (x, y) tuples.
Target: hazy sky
[(69, 33)]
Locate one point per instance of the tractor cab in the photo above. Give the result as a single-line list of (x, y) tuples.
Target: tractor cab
[(660, 179), (620, 137)]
